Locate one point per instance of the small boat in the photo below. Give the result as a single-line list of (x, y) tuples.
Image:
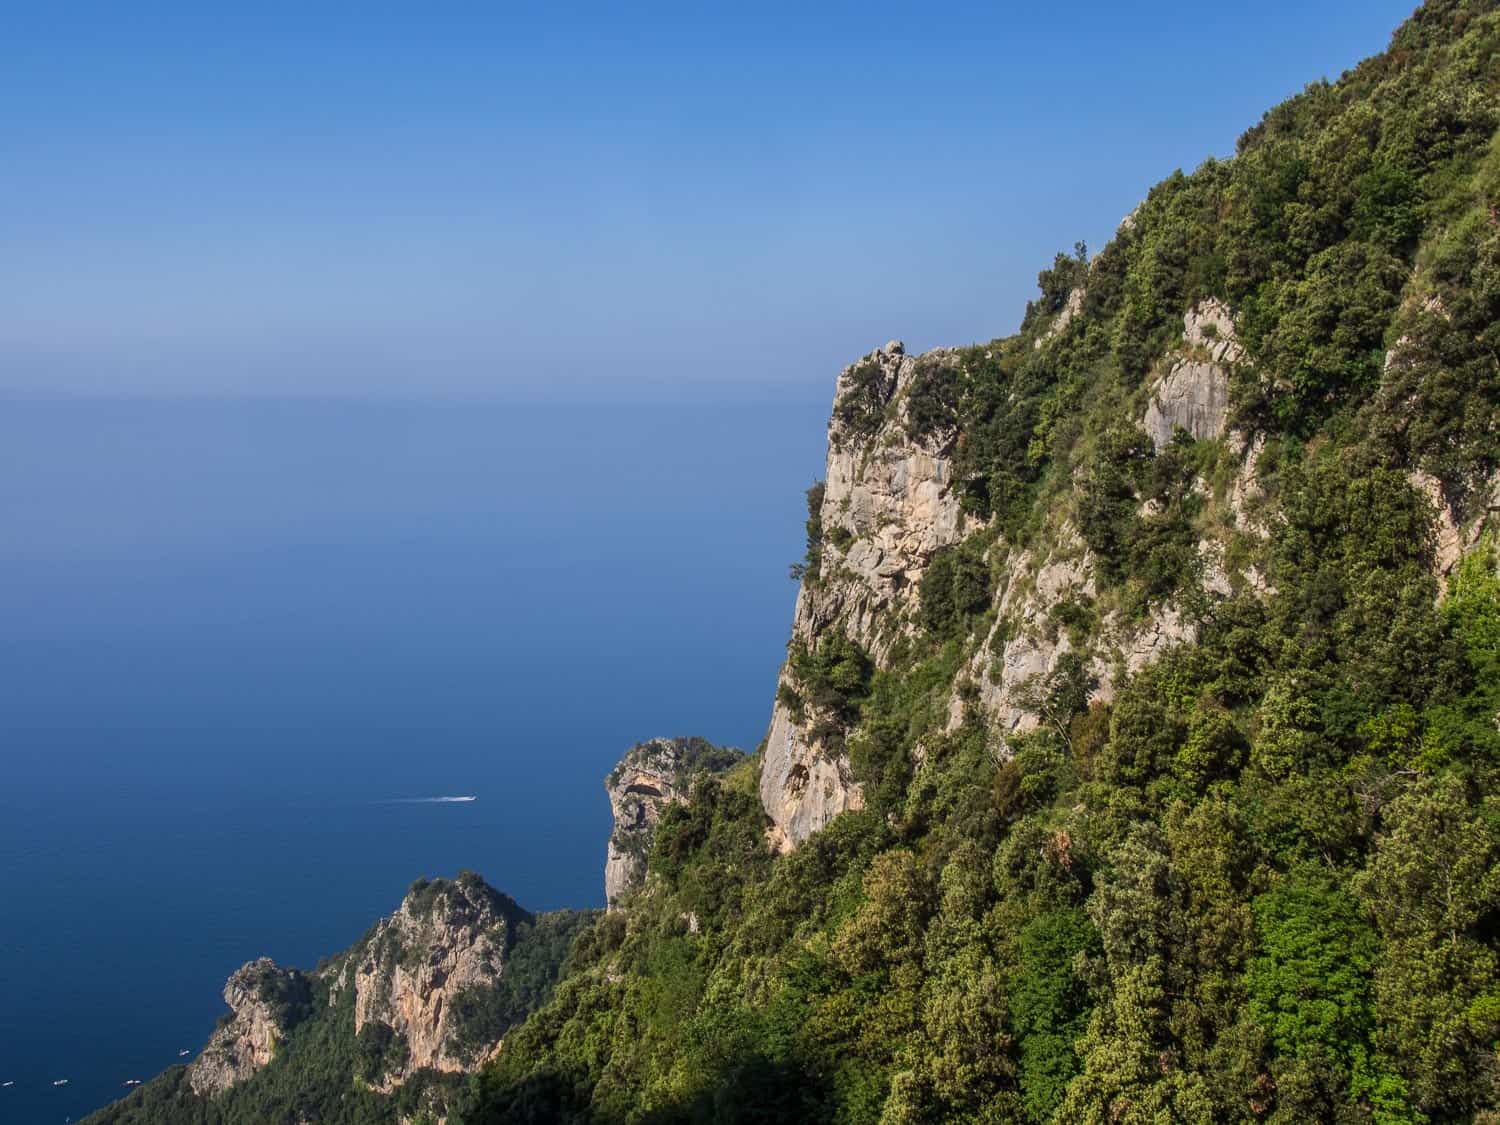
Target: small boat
[(183, 1054), (131, 1082), (61, 1082), (3, 1085)]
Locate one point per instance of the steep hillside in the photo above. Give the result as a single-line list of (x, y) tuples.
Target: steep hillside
[(1135, 757), (380, 1033)]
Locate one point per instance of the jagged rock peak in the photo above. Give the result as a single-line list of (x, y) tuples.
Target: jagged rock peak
[(448, 936), (651, 776), (265, 1002)]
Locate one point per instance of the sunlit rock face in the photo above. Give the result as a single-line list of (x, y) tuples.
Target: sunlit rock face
[(888, 506), (446, 937), (651, 776), (265, 1001), (891, 502), (1194, 394)]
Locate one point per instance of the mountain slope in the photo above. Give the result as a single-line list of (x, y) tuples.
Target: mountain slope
[(379, 1033), (1135, 755)]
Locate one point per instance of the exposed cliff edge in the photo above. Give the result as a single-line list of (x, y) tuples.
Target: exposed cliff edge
[(651, 776), (419, 976), (1135, 757), (383, 1032), (265, 1002), (894, 500), (886, 507)]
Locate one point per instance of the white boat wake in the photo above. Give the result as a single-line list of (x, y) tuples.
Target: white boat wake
[(429, 800)]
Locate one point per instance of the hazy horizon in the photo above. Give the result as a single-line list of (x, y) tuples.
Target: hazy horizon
[(465, 202)]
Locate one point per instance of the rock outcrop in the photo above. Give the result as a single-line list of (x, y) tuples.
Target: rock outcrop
[(1072, 308), (1025, 648), (1194, 394), (265, 1002), (888, 506), (651, 776), (433, 988), (1453, 540), (447, 937)]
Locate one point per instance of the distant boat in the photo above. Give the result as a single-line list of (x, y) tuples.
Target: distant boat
[(61, 1082), (183, 1054), (131, 1082), (3, 1085), (471, 797)]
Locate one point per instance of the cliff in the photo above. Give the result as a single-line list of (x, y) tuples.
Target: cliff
[(651, 776), (1136, 755), (886, 507), (415, 976), (894, 500), (383, 1032), (265, 1001)]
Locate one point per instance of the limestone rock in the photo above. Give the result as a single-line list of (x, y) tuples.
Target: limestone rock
[(1246, 490), (651, 776), (1012, 677), (1165, 629), (801, 786), (888, 506), (1449, 545), (1452, 540), (1194, 394), (1009, 679), (265, 1002), (446, 937)]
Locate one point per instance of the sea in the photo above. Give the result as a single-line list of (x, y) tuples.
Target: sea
[(246, 645)]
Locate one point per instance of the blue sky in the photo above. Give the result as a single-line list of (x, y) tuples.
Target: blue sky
[(495, 201)]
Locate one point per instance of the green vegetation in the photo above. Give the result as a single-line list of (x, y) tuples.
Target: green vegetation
[(810, 568), (860, 409), (483, 1016), (832, 681), (1259, 884), (956, 589)]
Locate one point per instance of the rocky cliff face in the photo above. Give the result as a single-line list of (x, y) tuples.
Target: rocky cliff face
[(1026, 647), (447, 937), (888, 505), (384, 1032), (265, 1001), (651, 776)]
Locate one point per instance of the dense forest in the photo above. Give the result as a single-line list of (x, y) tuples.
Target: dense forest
[(1257, 882), (1260, 882)]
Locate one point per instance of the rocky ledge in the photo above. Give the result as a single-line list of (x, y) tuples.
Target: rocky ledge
[(651, 776), (265, 1002)]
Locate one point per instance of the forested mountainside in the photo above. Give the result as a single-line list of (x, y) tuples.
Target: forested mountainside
[(1136, 754), (1135, 759)]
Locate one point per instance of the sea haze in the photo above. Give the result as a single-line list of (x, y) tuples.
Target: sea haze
[(243, 643)]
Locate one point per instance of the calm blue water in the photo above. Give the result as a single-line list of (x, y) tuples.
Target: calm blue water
[(232, 635)]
